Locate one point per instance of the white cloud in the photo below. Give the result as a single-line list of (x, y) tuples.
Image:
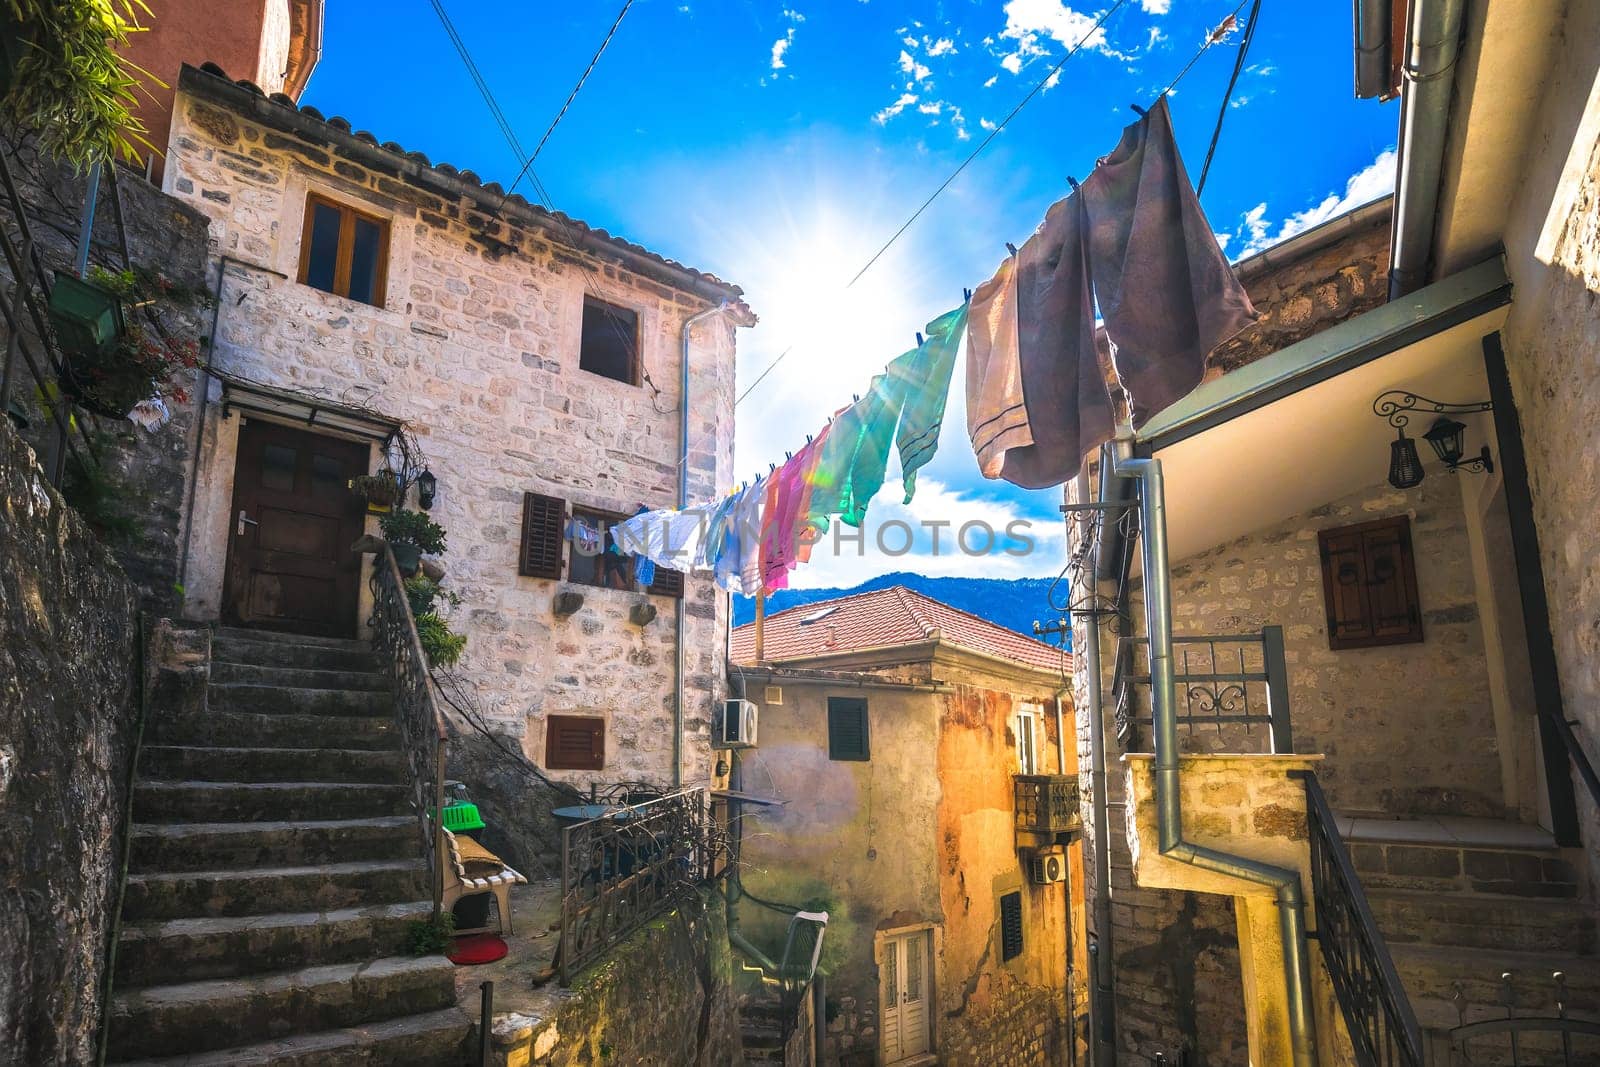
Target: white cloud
[(910, 42), (792, 15), (1369, 183), (986, 124), (909, 65), (1239, 101), (1222, 240), (1156, 7), (905, 101), (942, 46), (779, 47), (1028, 20), (1052, 81), (992, 79), (1013, 62), (1264, 70), (932, 107)]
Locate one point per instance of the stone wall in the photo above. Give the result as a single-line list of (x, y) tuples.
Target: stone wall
[(476, 349), (663, 998), (68, 654)]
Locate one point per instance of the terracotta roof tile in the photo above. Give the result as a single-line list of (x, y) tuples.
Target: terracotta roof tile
[(886, 618)]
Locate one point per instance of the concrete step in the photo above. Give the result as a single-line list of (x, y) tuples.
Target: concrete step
[(151, 953), (215, 764), (226, 673), (1431, 972), (266, 890), (1526, 872), (1484, 921), (193, 801), (283, 700), (205, 1016), (175, 847), (439, 1037), (264, 650), (285, 637), (224, 728)]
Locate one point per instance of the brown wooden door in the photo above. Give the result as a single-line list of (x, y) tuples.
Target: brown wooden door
[(294, 518)]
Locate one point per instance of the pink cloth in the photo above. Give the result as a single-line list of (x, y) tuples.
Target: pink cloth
[(785, 516)]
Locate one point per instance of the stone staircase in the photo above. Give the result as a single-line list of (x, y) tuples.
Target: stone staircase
[(1461, 907), (273, 872)]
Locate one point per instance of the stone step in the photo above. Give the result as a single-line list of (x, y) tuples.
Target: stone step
[(216, 764), (1431, 972), (266, 890), (205, 1016), (1484, 921), (439, 1037), (254, 647), (224, 673), (175, 847), (1508, 871), (223, 728), (198, 801), (284, 700), (151, 953)]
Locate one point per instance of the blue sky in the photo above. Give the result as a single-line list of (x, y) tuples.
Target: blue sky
[(780, 144)]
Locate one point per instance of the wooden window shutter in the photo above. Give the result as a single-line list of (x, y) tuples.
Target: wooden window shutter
[(668, 582), (543, 525), (847, 729), (574, 743), (1369, 584), (1010, 926)]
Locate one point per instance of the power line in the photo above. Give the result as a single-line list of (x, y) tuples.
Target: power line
[(1227, 95), (1216, 36)]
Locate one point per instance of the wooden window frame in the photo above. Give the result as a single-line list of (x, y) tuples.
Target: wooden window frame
[(862, 755), (346, 251), (596, 727), (607, 519), (1406, 577), (1028, 754), (1013, 939), (635, 362)]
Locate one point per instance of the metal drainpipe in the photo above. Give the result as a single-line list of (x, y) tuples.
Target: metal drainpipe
[(1433, 41), (1102, 1003), (680, 618), (1169, 808)]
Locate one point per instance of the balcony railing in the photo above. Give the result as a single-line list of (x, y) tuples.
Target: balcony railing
[(1233, 691), (1047, 803)]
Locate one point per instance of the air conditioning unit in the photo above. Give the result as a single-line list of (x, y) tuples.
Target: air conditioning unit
[(735, 726), (1048, 866)]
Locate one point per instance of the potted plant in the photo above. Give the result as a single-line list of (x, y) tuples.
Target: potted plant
[(380, 491), (410, 534)]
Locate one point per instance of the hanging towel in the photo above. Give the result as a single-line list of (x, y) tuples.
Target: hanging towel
[(924, 375), (644, 569), (852, 465), (667, 538), (997, 419), (787, 504), (738, 568)]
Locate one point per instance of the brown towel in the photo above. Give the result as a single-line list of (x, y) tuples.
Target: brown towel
[(1134, 238)]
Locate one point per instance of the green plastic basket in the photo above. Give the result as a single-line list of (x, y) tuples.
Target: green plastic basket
[(461, 816)]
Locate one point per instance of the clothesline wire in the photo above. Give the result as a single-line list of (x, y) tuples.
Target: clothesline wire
[(1227, 95), (1211, 39)]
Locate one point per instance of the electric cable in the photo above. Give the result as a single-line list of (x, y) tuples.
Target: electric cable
[(1227, 95)]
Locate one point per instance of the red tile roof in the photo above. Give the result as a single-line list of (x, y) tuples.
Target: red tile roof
[(886, 618)]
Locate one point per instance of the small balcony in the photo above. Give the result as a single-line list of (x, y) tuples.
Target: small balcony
[(1047, 808)]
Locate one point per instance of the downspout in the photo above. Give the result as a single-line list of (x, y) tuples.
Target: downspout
[(680, 619), (1169, 809), (1433, 41)]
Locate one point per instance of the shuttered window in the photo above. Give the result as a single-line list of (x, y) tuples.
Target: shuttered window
[(1010, 926), (546, 550), (574, 743), (847, 729), (543, 523), (667, 583), (1369, 584)]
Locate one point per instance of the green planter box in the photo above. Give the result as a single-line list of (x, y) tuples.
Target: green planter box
[(87, 318)]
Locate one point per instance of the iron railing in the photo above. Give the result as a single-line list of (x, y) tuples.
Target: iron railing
[(1234, 688), (625, 868), (1377, 1013), (417, 718), (1047, 803), (1516, 1040)]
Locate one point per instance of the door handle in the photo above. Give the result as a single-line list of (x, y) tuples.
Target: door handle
[(245, 520)]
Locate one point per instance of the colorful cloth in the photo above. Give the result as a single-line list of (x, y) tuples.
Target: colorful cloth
[(851, 467), (787, 503), (924, 377), (738, 568)]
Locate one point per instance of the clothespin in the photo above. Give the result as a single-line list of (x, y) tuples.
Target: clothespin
[(808, 439), (1011, 248), (788, 455), (919, 339), (1141, 111), (855, 398), (1072, 182), (966, 294)]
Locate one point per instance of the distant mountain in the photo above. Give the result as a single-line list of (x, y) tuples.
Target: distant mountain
[(1014, 603)]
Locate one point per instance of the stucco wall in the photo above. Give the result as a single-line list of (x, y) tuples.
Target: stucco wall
[(1552, 343), (476, 349)]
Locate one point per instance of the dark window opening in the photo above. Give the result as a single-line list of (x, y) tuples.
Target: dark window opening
[(344, 251), (1010, 926), (574, 743), (594, 560), (847, 729), (1369, 584), (551, 542), (610, 344)]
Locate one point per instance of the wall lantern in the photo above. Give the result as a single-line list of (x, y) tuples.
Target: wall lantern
[(1446, 436), (427, 486)]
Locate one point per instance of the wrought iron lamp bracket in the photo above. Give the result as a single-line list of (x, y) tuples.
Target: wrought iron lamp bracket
[(1395, 405)]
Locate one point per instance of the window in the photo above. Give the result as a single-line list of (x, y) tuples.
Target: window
[(551, 547), (610, 343), (1010, 926), (1027, 725), (344, 251), (847, 729), (574, 743), (1369, 584)]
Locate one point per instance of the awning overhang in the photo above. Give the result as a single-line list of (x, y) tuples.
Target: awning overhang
[(299, 409)]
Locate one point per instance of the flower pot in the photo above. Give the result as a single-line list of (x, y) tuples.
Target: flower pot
[(409, 557)]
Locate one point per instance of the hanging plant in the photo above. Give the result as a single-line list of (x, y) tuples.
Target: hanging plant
[(380, 490), (65, 78)]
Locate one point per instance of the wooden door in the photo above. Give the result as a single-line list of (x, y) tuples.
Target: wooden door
[(293, 521), (906, 972)]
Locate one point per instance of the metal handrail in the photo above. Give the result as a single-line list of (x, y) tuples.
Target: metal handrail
[(1214, 698), (1383, 1028), (1579, 758), (417, 717)]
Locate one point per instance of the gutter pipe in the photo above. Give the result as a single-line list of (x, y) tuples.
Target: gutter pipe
[(1372, 20), (680, 618), (1169, 810), (1433, 43)]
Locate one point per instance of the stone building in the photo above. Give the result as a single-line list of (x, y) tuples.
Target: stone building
[(1419, 642), (909, 744)]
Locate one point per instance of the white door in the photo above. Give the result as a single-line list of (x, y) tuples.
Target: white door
[(906, 973)]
